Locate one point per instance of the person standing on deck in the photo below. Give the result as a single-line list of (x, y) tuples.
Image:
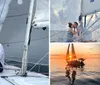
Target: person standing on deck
[(1, 58), (75, 31), (69, 33)]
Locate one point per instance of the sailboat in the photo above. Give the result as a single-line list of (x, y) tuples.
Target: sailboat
[(26, 15), (86, 12), (71, 58)]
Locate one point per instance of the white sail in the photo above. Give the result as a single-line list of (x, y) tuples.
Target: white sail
[(90, 6), (3, 11), (12, 35)]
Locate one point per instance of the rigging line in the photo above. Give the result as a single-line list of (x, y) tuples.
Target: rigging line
[(59, 33), (88, 34), (94, 23), (92, 29), (89, 20), (95, 29), (10, 80), (3, 8), (11, 16), (88, 29), (39, 61)]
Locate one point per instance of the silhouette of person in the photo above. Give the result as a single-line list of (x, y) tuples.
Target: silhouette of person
[(68, 73), (82, 64), (73, 76)]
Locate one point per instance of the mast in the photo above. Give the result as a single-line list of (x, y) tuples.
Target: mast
[(73, 52), (31, 15), (81, 21)]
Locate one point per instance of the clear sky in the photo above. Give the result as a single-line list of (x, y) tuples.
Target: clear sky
[(80, 48)]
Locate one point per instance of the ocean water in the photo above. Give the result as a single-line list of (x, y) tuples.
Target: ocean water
[(89, 75)]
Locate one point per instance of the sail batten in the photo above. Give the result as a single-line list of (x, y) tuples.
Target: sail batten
[(90, 7)]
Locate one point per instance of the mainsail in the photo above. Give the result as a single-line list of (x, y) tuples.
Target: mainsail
[(4, 11), (73, 52), (12, 35), (73, 55), (67, 54), (90, 6), (91, 25)]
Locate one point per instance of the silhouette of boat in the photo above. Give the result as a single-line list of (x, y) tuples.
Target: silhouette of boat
[(72, 60)]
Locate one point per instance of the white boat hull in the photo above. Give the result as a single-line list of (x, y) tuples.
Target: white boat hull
[(31, 79)]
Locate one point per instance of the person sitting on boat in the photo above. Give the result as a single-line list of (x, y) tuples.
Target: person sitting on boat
[(1, 58)]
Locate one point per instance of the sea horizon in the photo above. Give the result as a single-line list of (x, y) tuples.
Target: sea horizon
[(89, 75)]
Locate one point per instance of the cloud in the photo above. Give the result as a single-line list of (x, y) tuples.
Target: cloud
[(63, 12)]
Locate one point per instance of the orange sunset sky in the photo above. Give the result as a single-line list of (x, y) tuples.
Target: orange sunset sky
[(81, 49)]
